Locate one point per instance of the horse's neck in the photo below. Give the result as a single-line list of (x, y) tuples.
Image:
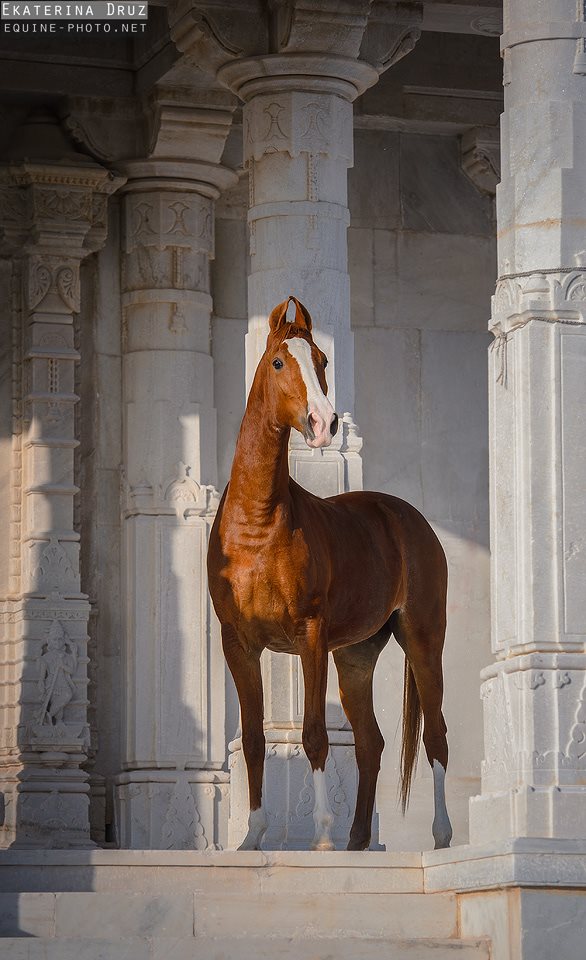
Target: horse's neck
[(259, 482)]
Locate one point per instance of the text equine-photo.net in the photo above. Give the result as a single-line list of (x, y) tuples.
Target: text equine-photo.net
[(102, 16)]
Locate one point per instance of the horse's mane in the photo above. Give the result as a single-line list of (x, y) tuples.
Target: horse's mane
[(287, 331)]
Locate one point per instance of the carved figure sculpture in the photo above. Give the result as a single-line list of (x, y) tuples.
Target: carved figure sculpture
[(56, 668), (307, 576)]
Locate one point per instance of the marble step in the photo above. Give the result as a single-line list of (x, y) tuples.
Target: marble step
[(23, 948), (213, 913)]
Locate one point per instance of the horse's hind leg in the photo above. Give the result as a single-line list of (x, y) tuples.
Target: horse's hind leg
[(355, 665), (245, 668), (423, 647)]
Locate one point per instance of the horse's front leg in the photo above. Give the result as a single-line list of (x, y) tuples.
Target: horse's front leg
[(312, 645), (244, 666)]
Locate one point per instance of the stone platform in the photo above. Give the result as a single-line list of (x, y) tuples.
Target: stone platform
[(522, 900), (146, 905)]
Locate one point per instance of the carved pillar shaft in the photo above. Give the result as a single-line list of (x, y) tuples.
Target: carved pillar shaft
[(51, 217), (170, 793), (297, 70), (298, 146), (534, 772)]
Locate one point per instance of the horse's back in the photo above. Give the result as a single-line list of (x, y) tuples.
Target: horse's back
[(391, 519)]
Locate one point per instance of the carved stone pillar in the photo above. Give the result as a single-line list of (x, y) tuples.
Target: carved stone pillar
[(534, 771), (172, 789), (298, 146), (52, 214)]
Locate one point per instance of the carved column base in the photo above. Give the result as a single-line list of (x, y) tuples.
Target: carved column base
[(288, 791), (172, 810), (534, 774), (46, 805)]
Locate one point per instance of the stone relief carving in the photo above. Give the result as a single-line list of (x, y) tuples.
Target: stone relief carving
[(273, 129), (178, 210), (63, 204), (488, 25), (576, 748), (180, 487), (210, 28), (312, 177), (182, 828), (45, 276), (392, 32), (142, 213), (480, 157), (39, 284), (556, 296), (67, 282), (54, 569), (318, 122), (57, 665), (87, 137), (575, 287), (13, 204)]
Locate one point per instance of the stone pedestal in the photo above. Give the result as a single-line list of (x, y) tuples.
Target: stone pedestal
[(534, 772), (172, 788), (53, 212)]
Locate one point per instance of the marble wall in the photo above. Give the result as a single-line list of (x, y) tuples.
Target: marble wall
[(422, 265)]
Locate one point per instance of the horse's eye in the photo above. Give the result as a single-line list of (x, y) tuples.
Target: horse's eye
[(277, 364)]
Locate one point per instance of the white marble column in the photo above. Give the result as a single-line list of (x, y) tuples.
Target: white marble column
[(172, 789), (534, 695), (298, 146), (53, 212)]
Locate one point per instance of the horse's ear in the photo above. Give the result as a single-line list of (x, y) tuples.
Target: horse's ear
[(278, 316), (302, 315)]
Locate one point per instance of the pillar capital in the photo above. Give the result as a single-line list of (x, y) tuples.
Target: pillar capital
[(344, 46), (50, 207), (284, 72), (188, 131)]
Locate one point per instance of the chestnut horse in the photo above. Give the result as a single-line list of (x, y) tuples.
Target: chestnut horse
[(304, 575)]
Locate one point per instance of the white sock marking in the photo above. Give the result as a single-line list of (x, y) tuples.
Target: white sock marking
[(442, 828), (257, 825), (322, 812)]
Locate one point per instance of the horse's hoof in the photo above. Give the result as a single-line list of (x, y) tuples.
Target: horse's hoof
[(358, 844), (323, 845), (442, 844)]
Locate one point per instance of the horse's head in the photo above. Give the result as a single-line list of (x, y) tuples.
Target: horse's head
[(295, 371)]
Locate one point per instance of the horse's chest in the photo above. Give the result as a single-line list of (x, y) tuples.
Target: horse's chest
[(268, 594)]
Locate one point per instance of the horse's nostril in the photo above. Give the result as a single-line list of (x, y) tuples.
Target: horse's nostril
[(334, 425)]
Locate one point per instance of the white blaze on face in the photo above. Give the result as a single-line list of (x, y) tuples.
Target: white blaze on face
[(319, 408)]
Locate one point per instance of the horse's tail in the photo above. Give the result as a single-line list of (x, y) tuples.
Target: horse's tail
[(411, 733)]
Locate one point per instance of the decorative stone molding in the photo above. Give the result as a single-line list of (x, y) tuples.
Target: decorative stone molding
[(559, 295), (392, 32), (481, 157)]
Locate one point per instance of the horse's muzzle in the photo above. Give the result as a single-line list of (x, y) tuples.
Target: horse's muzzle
[(318, 431)]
